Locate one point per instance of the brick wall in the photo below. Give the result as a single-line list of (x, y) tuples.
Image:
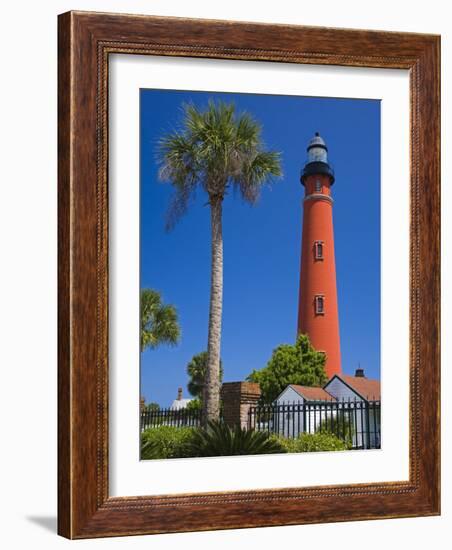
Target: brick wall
[(237, 399)]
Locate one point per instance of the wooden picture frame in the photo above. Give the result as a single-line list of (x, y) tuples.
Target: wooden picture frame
[(86, 40)]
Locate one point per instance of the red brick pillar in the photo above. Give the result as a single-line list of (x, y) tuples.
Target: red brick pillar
[(237, 399)]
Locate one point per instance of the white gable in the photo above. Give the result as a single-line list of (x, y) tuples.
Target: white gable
[(341, 391), (288, 396)]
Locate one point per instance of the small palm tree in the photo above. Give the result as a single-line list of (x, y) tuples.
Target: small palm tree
[(215, 150), (159, 322), (196, 370)]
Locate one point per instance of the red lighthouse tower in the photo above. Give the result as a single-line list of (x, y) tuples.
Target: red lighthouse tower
[(317, 310)]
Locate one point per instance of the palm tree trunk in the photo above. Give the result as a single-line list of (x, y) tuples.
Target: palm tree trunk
[(211, 404)]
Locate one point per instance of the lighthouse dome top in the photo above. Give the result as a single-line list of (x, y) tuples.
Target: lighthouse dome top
[(317, 161), (317, 141)]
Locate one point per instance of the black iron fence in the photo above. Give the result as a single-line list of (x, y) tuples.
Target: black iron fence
[(355, 422), (170, 417)]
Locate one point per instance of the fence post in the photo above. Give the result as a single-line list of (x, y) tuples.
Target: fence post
[(368, 425), (376, 436), (238, 398)]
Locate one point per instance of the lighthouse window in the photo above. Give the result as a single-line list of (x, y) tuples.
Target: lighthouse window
[(318, 186), (318, 250), (319, 305)]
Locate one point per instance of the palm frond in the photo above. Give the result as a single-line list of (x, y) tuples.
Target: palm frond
[(179, 165), (214, 148), (257, 169), (159, 322), (248, 132)]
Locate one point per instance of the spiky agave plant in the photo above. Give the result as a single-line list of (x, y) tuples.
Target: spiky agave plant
[(218, 439)]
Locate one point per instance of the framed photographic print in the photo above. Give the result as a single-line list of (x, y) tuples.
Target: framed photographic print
[(248, 275)]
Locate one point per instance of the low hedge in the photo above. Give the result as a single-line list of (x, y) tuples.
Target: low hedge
[(166, 442), (306, 443), (172, 442)]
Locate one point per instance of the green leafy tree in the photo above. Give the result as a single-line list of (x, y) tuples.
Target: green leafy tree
[(159, 321), (194, 405), (196, 370), (290, 364), (152, 406), (214, 150)]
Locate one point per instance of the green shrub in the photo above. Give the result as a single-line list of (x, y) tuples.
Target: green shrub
[(218, 439), (306, 443), (194, 405), (342, 426), (166, 442)]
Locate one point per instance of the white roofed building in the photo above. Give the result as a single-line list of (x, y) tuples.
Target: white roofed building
[(179, 403), (344, 399)]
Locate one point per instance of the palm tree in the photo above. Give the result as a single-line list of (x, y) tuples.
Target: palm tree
[(215, 149), (159, 322)]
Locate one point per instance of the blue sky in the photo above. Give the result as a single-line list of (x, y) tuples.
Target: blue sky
[(262, 242)]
